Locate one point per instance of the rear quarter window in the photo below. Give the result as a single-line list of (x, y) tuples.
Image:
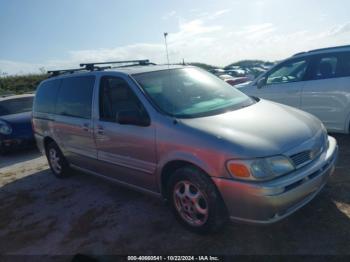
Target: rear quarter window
[(45, 97), (330, 65), (325, 67), (75, 96)]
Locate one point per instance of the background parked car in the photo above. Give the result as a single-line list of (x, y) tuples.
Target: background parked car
[(233, 80), (15, 122), (237, 80), (317, 81)]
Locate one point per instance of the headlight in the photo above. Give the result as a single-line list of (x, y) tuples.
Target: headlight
[(325, 137), (5, 128), (260, 168)]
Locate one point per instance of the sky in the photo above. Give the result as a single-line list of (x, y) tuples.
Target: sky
[(55, 34)]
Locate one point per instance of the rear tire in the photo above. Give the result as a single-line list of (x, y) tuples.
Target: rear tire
[(195, 201), (58, 163)]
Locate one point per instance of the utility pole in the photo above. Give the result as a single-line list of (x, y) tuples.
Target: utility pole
[(166, 47)]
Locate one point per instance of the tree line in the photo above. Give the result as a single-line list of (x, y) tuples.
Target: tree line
[(20, 84)]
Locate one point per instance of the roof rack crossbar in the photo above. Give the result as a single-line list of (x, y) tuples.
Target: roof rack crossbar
[(139, 62), (98, 68), (121, 66), (93, 67), (71, 71), (58, 72)]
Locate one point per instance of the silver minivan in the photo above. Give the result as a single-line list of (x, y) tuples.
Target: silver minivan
[(180, 133)]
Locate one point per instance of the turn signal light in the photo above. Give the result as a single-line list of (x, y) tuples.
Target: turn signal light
[(238, 170)]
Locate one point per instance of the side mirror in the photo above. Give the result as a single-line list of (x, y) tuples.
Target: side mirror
[(261, 82), (132, 117)]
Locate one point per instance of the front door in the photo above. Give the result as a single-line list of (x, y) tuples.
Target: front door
[(127, 151), (284, 83)]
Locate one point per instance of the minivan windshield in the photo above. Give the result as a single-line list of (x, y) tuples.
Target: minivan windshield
[(16, 105), (191, 92)]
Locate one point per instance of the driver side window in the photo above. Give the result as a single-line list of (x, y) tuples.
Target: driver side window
[(292, 71), (116, 96)]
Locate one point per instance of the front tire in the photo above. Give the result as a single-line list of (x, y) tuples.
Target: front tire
[(58, 163), (195, 201)]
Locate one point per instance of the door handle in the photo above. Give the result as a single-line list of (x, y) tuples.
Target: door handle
[(86, 127), (100, 130)]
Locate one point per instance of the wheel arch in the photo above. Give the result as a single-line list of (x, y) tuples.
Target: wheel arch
[(47, 140), (168, 171), (171, 166)]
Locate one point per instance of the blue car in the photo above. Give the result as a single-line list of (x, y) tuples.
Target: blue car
[(15, 122)]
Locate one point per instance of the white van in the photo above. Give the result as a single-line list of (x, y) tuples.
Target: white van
[(317, 82)]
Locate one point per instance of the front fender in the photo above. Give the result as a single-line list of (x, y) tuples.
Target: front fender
[(186, 157)]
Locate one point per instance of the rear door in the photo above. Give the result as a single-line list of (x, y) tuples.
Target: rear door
[(126, 152), (73, 122), (283, 84), (326, 94)]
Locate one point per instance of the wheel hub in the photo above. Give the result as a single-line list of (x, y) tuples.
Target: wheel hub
[(191, 203), (55, 161)]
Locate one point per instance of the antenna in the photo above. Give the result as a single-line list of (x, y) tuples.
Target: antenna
[(166, 47)]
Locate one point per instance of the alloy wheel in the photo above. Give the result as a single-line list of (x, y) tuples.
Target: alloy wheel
[(55, 160), (191, 203)]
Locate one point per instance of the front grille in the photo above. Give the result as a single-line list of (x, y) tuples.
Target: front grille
[(301, 158)]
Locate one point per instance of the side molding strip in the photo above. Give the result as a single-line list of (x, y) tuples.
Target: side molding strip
[(136, 188)]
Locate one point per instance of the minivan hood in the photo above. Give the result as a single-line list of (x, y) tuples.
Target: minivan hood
[(262, 129)]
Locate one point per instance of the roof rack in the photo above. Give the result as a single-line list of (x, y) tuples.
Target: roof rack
[(150, 63), (93, 67), (70, 71), (88, 66)]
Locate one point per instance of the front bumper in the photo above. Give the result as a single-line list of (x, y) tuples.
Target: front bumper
[(270, 201)]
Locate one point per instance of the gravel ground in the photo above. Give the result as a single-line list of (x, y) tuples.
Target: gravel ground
[(40, 214)]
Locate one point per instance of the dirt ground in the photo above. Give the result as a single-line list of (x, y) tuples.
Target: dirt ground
[(40, 214)]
